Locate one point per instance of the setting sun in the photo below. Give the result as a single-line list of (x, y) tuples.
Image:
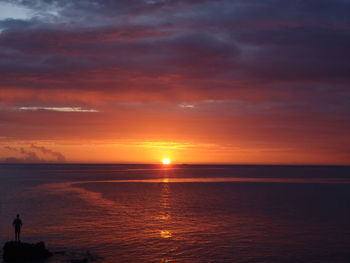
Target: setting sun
[(166, 161)]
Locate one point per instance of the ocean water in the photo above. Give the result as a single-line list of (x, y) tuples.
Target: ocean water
[(184, 213)]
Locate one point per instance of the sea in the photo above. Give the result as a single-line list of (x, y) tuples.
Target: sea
[(180, 213)]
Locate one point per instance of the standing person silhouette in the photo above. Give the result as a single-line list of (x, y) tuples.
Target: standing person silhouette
[(17, 224)]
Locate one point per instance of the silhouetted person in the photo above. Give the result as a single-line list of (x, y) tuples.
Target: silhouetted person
[(17, 224)]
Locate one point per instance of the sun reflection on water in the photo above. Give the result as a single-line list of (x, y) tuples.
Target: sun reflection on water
[(165, 234), (165, 208)]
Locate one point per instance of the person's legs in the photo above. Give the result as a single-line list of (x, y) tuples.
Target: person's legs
[(17, 232)]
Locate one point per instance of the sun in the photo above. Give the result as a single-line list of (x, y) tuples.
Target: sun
[(166, 161)]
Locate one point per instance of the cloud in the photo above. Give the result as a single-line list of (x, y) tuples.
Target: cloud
[(10, 11), (28, 156), (59, 109), (32, 156), (59, 156), (206, 37), (187, 106), (10, 148)]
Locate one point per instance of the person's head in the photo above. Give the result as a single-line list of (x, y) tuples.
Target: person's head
[(17, 216)]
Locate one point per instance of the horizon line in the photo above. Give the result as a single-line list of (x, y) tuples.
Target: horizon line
[(173, 164)]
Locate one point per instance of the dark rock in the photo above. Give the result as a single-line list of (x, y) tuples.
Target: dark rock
[(59, 252), (13, 251)]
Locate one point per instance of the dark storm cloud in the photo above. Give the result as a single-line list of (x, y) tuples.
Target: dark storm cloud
[(252, 41)]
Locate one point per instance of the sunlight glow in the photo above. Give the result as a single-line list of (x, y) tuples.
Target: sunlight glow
[(166, 161)]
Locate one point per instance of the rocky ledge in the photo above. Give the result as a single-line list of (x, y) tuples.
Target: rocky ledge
[(13, 251)]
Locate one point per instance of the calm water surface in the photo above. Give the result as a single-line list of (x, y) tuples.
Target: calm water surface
[(144, 213)]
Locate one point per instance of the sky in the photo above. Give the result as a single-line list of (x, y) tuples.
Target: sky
[(197, 81)]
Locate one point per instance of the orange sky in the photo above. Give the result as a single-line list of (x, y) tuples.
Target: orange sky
[(146, 134)]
